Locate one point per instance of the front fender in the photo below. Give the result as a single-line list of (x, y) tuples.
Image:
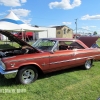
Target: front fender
[(30, 63)]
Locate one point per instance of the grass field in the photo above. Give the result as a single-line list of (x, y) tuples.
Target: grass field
[(70, 84)]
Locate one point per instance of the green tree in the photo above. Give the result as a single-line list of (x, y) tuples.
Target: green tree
[(95, 33)]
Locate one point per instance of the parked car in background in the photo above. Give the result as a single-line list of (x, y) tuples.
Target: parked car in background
[(25, 35), (46, 55)]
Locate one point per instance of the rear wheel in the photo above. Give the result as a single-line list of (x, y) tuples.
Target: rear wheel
[(27, 75), (88, 64)]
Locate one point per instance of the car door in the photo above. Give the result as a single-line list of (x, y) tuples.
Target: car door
[(78, 58), (60, 59), (81, 55)]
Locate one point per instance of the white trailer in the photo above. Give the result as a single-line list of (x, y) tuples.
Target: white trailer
[(47, 33)]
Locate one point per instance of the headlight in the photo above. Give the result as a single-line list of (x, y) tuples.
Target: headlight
[(2, 65)]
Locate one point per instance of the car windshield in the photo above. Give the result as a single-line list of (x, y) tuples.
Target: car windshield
[(44, 44)]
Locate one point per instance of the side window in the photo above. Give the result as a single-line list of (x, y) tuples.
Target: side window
[(63, 45), (76, 45), (69, 45)]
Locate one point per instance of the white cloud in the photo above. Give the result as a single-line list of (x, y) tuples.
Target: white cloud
[(85, 27), (21, 12), (65, 4), (88, 17), (66, 23), (89, 28), (27, 21), (12, 3), (23, 1)]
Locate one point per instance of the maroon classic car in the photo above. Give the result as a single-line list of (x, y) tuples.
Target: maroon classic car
[(48, 54)]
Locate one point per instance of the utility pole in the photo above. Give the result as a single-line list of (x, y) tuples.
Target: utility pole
[(76, 27)]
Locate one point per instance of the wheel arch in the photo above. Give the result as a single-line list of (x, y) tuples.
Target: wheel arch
[(33, 65), (92, 59), (88, 64)]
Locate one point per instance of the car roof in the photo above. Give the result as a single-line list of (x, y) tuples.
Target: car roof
[(67, 39), (60, 39)]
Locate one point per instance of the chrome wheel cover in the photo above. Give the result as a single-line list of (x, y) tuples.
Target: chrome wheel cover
[(28, 76), (88, 64)]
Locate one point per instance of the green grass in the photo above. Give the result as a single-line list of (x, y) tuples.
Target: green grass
[(10, 45), (98, 41), (70, 84)]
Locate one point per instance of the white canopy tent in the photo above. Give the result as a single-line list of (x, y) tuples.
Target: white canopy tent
[(12, 23)]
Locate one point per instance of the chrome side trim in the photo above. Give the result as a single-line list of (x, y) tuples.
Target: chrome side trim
[(28, 59), (61, 55), (63, 61), (87, 52)]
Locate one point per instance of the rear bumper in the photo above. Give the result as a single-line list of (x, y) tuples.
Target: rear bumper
[(8, 74)]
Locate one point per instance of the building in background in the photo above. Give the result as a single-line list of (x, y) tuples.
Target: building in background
[(47, 33), (63, 32)]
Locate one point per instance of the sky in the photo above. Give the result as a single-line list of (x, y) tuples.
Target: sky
[(48, 13)]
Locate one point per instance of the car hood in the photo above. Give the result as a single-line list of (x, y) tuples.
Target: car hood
[(13, 38), (89, 41)]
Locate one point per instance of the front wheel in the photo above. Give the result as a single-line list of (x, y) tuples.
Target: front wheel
[(27, 75), (88, 64)]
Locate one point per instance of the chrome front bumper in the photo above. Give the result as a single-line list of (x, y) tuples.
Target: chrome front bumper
[(8, 74)]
